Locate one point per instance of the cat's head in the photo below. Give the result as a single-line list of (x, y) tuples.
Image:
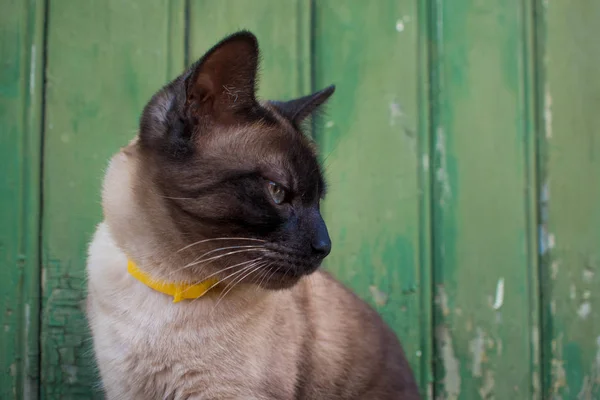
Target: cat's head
[(225, 184)]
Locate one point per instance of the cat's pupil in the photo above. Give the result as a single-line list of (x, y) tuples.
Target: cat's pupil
[(277, 192)]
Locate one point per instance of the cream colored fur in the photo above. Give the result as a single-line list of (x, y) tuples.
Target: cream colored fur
[(249, 346)]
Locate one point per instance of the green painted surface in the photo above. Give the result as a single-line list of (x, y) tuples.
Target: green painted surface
[(369, 140), (482, 223), (21, 26), (104, 60), (569, 100), (283, 32), (462, 149)]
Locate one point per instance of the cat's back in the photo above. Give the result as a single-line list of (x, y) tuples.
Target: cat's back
[(350, 353)]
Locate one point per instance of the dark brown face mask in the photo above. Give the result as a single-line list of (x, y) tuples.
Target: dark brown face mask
[(228, 166)]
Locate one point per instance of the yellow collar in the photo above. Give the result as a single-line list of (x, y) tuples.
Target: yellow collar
[(179, 291)]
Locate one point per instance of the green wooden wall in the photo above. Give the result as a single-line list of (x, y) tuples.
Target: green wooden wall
[(462, 147)]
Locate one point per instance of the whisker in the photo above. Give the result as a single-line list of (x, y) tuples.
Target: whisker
[(246, 268), (201, 259), (227, 248), (221, 238), (222, 255), (264, 274), (236, 281), (223, 270)]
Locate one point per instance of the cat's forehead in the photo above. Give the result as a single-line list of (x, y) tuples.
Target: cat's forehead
[(273, 148)]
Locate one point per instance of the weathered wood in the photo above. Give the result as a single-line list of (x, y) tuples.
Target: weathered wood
[(485, 321), (569, 61), (21, 55), (372, 144), (105, 58)]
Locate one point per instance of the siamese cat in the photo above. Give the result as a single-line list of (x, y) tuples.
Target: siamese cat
[(203, 278)]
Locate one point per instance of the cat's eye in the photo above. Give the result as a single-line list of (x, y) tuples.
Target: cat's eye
[(277, 192)]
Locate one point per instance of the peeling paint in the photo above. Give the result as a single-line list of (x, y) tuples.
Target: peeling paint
[(442, 300), (584, 310), (486, 391), (442, 172), (559, 376), (380, 298), (400, 25), (554, 269), (551, 241), (451, 364), (535, 343), (499, 300), (586, 294), (477, 349), (548, 112), (329, 124), (588, 275), (395, 112), (425, 162)]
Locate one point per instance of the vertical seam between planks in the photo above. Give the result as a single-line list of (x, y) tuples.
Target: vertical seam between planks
[(42, 127), (425, 180), (186, 33), (528, 102), (435, 33), (538, 49), (312, 68)]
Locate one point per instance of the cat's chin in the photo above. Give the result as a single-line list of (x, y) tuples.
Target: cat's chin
[(286, 278)]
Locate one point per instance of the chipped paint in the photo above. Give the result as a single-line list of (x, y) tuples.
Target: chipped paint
[(400, 25), (559, 376), (499, 300), (329, 124), (441, 173), (395, 112), (425, 162), (588, 275), (554, 269), (586, 294), (584, 310), (551, 241), (442, 300), (548, 112), (477, 350), (380, 298), (487, 388), (451, 364)]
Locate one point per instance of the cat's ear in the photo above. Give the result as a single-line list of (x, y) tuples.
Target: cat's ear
[(223, 81), (298, 109)]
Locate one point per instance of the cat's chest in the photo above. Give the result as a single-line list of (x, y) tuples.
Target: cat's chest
[(178, 357)]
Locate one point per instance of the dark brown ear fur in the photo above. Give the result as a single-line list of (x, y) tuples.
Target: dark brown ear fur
[(223, 81), (298, 109)]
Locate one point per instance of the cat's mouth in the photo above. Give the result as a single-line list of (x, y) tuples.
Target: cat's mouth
[(285, 267)]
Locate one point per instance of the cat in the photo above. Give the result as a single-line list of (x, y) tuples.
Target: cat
[(219, 195)]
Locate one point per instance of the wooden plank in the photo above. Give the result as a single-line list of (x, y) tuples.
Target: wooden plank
[(374, 143), (485, 320), (283, 32), (570, 197), (21, 52), (105, 58)]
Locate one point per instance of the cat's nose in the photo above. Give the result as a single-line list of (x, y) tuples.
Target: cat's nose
[(322, 246), (321, 243)]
